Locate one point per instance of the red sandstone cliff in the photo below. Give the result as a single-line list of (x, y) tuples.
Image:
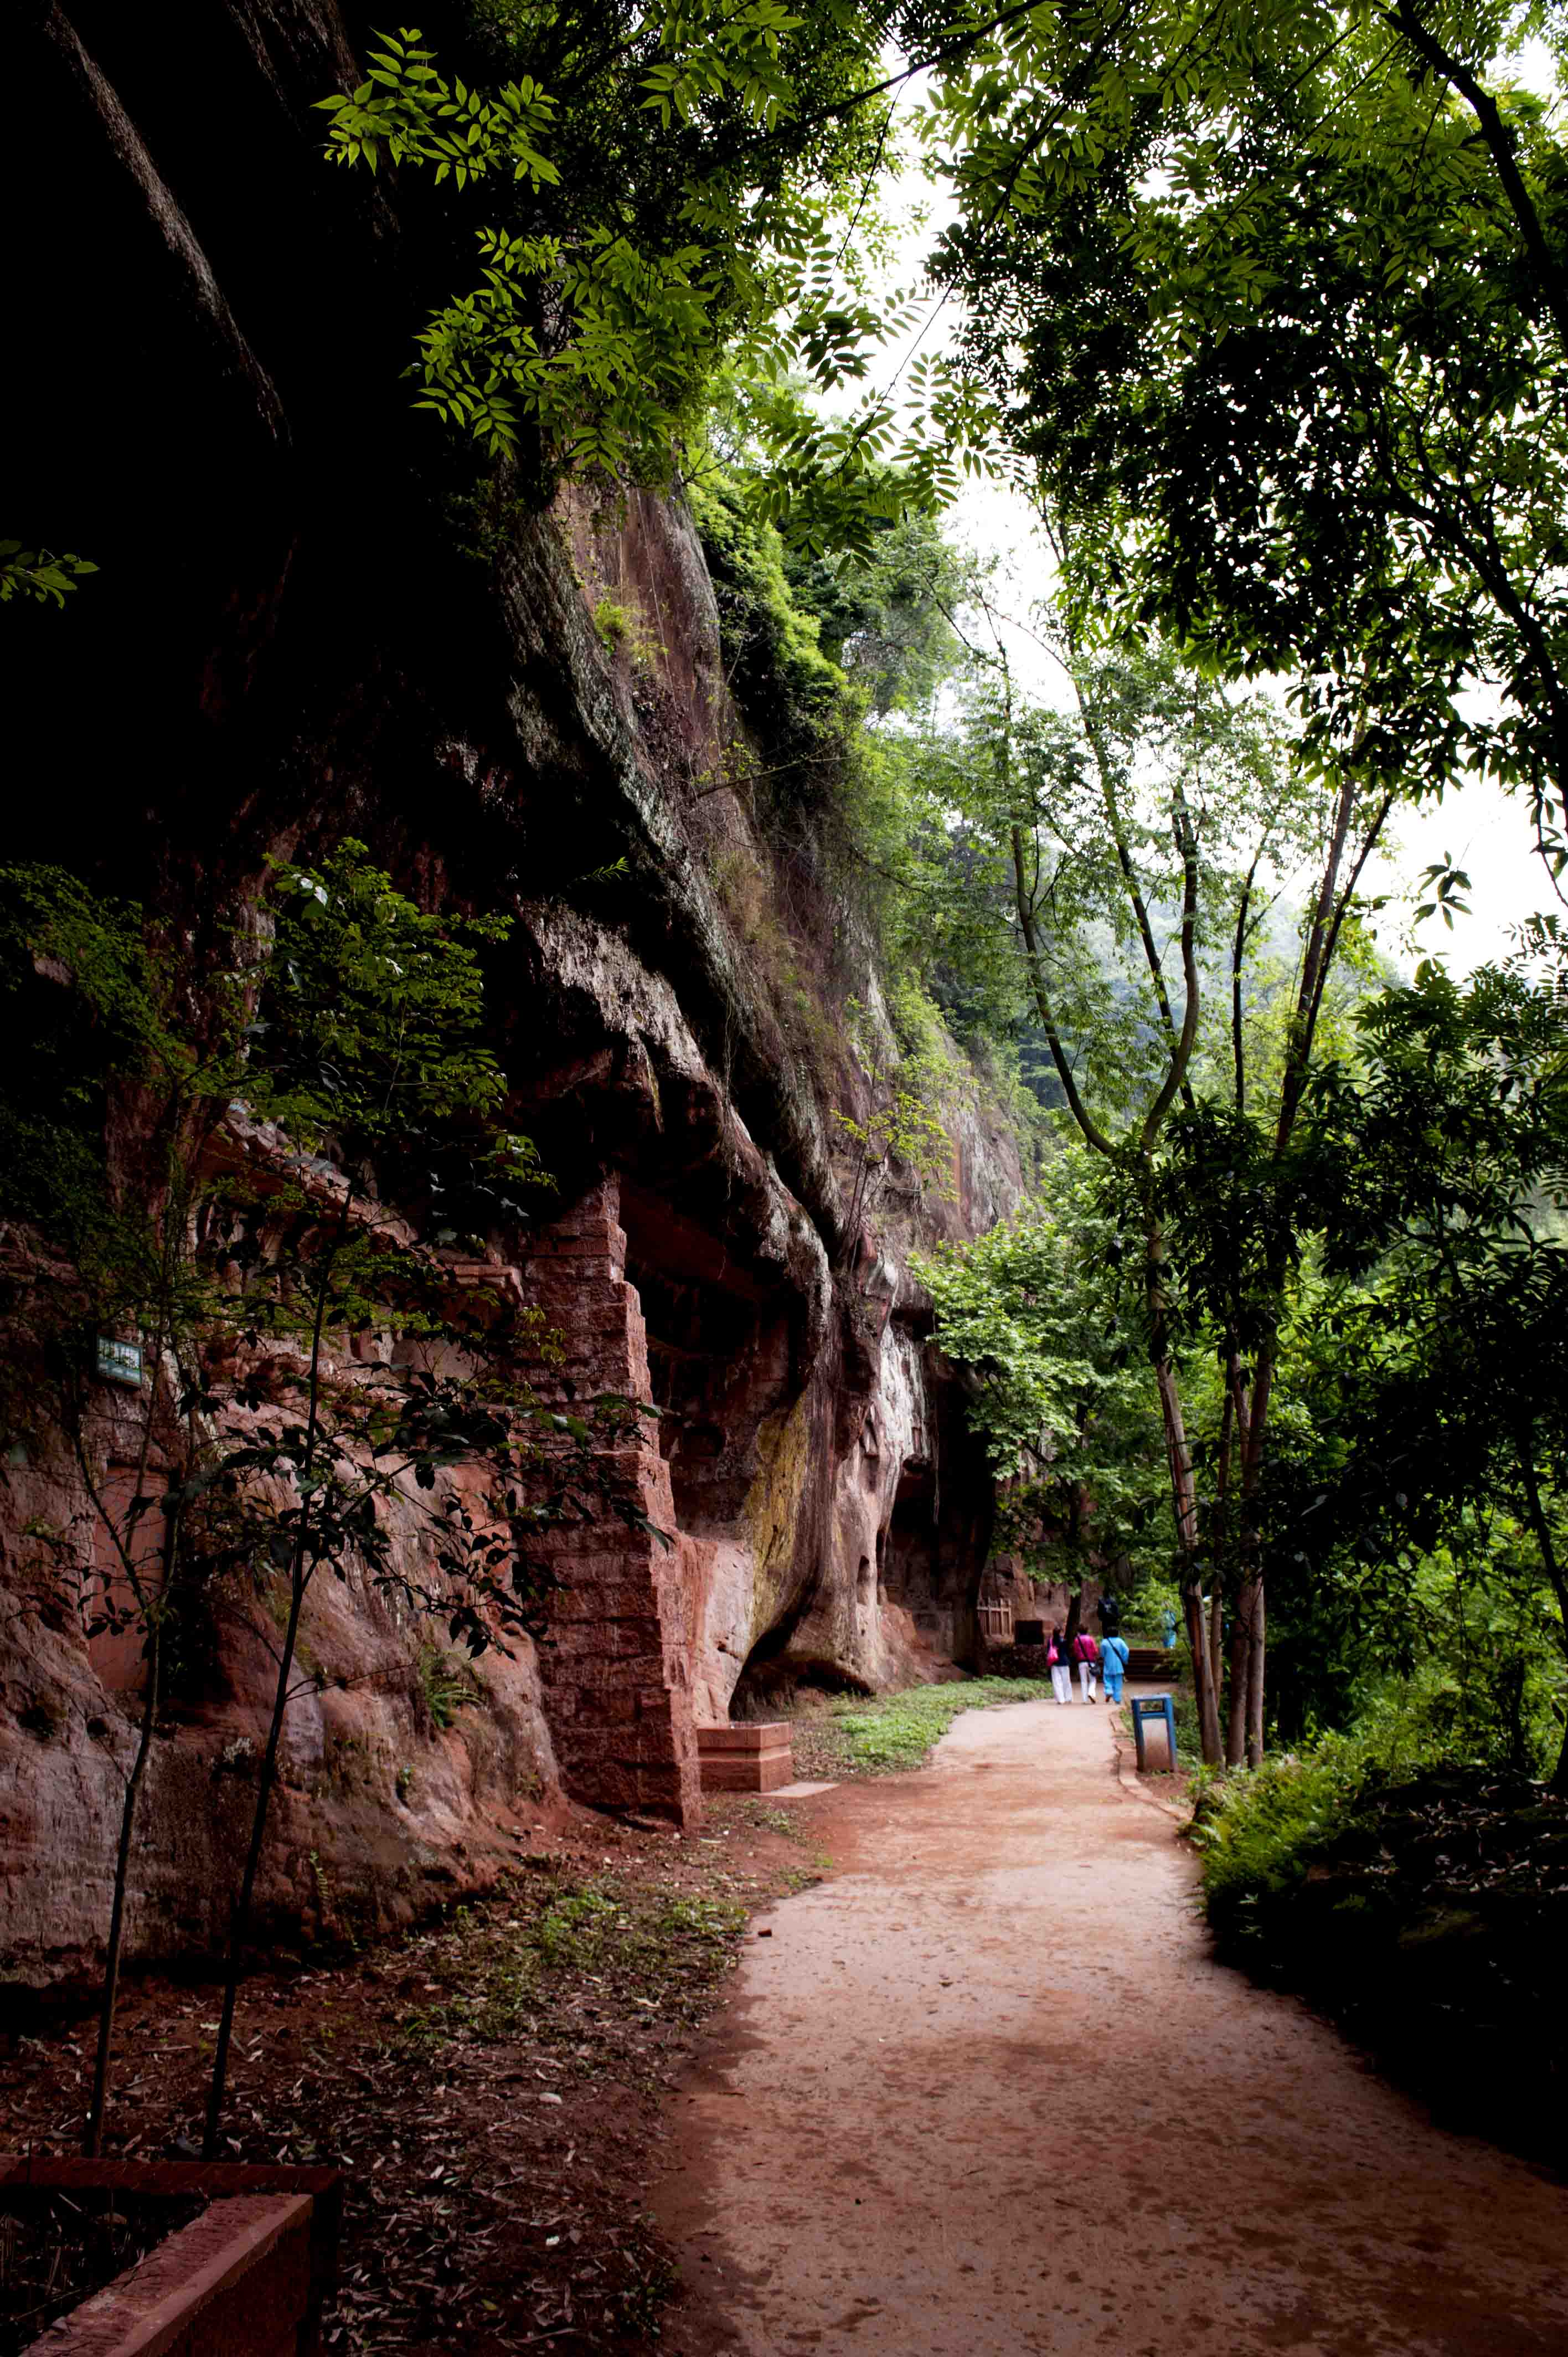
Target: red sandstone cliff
[(285, 644)]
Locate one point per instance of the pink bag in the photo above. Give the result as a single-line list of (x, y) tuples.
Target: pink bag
[(1051, 1656)]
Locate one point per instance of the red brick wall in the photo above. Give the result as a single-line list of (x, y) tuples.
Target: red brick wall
[(616, 1671)]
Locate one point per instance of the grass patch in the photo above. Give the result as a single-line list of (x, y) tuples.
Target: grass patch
[(882, 1734), (664, 1952)]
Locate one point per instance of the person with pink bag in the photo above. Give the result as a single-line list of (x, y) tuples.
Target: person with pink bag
[(1059, 1666), (1086, 1653)]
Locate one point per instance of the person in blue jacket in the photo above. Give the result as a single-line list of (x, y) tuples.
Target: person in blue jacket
[(1114, 1666)]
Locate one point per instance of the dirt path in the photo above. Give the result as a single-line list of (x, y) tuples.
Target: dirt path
[(983, 2092)]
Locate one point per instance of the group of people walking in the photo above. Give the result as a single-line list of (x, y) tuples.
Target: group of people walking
[(1092, 1658)]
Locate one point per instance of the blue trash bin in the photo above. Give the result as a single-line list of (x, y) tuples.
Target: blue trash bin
[(1161, 1708)]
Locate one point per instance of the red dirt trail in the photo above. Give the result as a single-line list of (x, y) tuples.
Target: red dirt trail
[(983, 2092)]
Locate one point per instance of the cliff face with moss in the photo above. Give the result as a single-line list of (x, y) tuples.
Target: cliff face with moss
[(300, 630)]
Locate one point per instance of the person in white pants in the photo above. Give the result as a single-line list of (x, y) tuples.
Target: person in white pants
[(1062, 1668), (1087, 1651)]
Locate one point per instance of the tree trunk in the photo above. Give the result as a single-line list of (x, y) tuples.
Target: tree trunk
[(1239, 1698), (1208, 1701), (1216, 1639), (92, 2136), (1250, 1610), (1255, 1641), (1185, 1501), (1074, 1613), (240, 1927), (125, 1542), (299, 1580), (1535, 1514)]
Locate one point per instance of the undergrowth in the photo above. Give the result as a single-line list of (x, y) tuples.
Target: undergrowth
[(1413, 1891), (882, 1733), (1259, 1832)]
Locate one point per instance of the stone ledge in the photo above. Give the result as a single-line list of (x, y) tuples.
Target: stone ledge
[(759, 1735), (248, 2279)]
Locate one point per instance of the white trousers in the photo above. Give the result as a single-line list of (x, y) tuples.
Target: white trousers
[(1061, 1681), (1086, 1676)]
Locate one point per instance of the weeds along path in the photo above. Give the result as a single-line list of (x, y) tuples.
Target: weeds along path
[(983, 2092)]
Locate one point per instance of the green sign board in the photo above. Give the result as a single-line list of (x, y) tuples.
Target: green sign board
[(120, 1362)]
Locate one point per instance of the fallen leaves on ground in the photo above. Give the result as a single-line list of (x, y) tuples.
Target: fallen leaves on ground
[(490, 2085)]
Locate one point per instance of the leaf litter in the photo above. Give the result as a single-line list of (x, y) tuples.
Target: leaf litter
[(491, 2085)]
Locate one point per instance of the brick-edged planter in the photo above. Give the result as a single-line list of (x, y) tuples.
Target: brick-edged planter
[(747, 1756), (248, 2279)]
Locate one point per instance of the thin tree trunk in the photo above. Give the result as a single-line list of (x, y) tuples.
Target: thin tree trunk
[(241, 1924), (124, 1546), (1251, 1608), (1217, 1639), (298, 1581), (1237, 1415), (1240, 1674), (1180, 1461), (1219, 1532), (1255, 1664), (93, 2137), (1541, 1530)]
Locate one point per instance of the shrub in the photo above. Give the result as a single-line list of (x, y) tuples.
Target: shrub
[(446, 1684), (1260, 1831)]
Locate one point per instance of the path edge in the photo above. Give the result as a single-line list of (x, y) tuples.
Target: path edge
[(1127, 1777)]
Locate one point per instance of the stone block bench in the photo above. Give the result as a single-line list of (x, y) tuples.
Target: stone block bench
[(742, 1756)]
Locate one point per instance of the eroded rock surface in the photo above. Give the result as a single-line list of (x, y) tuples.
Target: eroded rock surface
[(286, 642)]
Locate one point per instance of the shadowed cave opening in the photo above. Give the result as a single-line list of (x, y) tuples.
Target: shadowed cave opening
[(720, 1357), (774, 1683)]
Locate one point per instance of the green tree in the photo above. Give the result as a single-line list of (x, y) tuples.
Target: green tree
[(1275, 302), (226, 1181), (667, 190), (1035, 1309), (102, 1257), (1440, 1171), (1139, 840), (887, 616), (375, 1110)]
